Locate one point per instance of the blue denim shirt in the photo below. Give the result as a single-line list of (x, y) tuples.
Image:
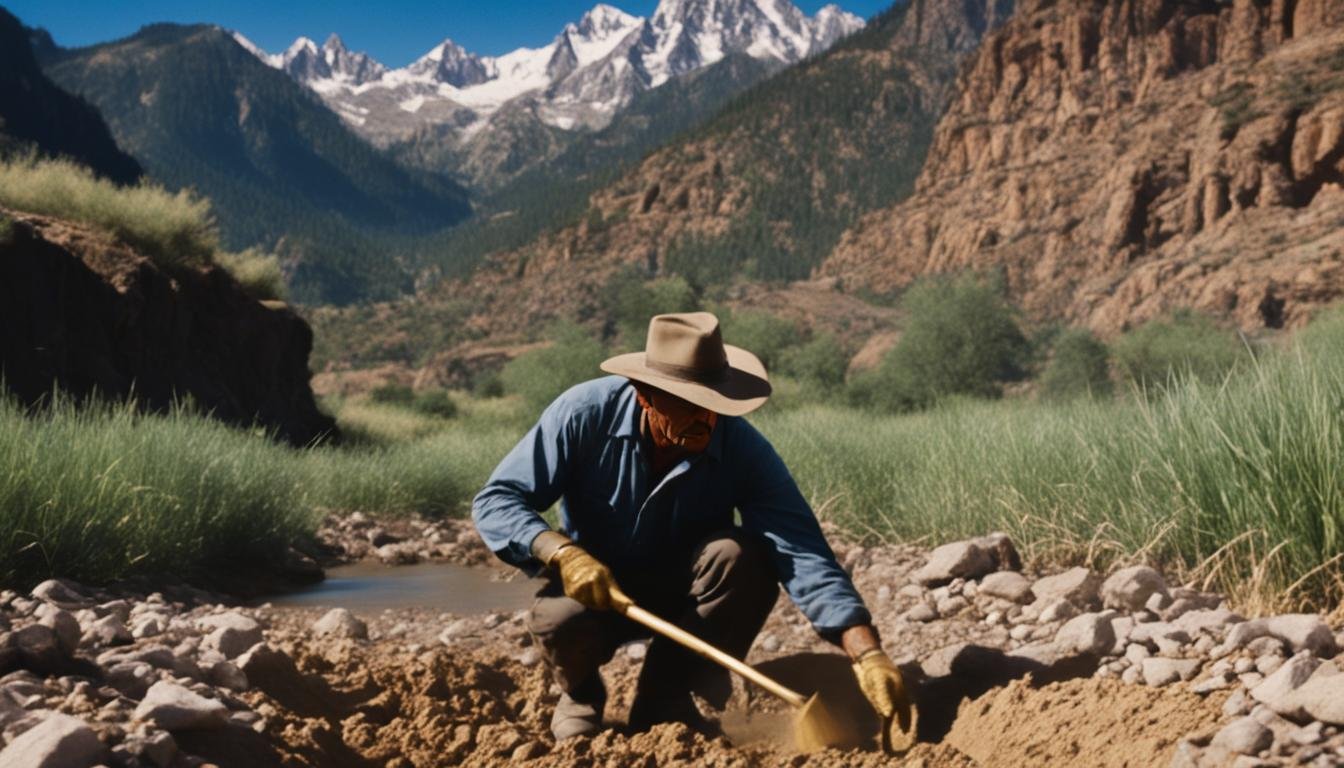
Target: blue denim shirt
[(587, 452)]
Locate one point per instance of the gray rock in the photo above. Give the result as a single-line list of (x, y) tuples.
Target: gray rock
[(1294, 672), (1239, 703), (1058, 610), (230, 642), (1263, 646), (1244, 736), (227, 675), (174, 708), (960, 559), (151, 625), (63, 623), (62, 593), (1211, 620), (38, 647), (1210, 684), (1128, 589), (339, 622), (1321, 698), (131, 679), (1121, 627), (952, 605), (457, 629), (109, 630), (1077, 585), (230, 619), (1151, 631), (1135, 653), (263, 664), (1302, 632), (58, 741), (1002, 553), (1159, 672), (1007, 585), (158, 747), (922, 612), (1268, 664), (1089, 633)]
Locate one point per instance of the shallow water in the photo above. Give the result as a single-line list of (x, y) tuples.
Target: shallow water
[(447, 587)]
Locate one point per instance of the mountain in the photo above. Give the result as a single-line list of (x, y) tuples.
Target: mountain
[(36, 113), (282, 171), (1118, 159), (452, 103), (761, 192)]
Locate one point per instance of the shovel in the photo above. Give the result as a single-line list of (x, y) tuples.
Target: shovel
[(815, 725)]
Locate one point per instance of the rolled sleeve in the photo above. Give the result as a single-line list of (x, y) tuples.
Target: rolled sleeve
[(527, 482), (772, 505)]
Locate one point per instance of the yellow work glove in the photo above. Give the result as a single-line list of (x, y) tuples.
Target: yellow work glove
[(881, 682), (583, 576)]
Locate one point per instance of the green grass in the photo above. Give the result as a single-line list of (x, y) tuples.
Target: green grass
[(1231, 483), (175, 231)]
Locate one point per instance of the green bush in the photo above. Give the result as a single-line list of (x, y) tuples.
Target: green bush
[(487, 384), (961, 337), (541, 375), (1324, 336), (761, 333), (1185, 344), (820, 363), (630, 299), (435, 402), (171, 229), (258, 273), (392, 393), (1079, 366)]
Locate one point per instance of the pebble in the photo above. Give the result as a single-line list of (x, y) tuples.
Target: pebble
[(1130, 588), (173, 707), (1245, 736), (57, 741), (340, 622)]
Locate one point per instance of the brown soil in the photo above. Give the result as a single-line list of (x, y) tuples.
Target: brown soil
[(1078, 722), (350, 704)]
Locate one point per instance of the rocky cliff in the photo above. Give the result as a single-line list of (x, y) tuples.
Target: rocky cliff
[(85, 313), (1119, 158)]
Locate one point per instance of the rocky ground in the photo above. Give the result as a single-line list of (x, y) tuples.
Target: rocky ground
[(1013, 669)]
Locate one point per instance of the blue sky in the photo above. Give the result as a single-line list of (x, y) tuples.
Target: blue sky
[(395, 33)]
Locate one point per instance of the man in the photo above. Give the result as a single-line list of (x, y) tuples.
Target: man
[(649, 466)]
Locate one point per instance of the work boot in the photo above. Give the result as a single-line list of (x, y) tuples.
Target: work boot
[(579, 713)]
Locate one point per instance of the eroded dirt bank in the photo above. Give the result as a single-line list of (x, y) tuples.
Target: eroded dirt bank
[(1013, 669)]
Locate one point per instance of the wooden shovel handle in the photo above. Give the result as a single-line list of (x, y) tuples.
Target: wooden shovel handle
[(673, 632)]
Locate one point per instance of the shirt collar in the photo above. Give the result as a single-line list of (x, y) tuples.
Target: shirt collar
[(626, 423)]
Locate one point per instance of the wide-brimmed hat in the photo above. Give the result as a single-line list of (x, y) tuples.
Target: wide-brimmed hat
[(685, 355)]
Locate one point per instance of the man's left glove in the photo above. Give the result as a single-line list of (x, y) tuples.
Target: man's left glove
[(882, 683)]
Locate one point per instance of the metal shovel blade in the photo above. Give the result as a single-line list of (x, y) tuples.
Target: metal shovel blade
[(818, 726)]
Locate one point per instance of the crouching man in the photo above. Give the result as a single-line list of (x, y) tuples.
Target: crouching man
[(649, 466)]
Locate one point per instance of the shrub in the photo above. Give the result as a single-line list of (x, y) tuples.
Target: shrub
[(435, 402), (630, 301), (961, 337), (258, 273), (819, 363), (1078, 367), (1185, 344), (487, 384), (392, 393), (172, 229), (764, 334), (541, 375)]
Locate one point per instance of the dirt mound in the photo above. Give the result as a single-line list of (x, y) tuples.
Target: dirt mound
[(1078, 722)]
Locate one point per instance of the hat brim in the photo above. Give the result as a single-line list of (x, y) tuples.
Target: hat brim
[(742, 390)]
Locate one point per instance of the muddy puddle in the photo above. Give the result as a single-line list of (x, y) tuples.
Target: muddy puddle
[(368, 587)]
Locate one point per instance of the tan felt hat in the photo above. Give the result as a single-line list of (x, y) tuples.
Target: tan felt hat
[(685, 355)]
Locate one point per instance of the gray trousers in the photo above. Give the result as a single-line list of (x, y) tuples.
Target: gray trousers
[(723, 595)]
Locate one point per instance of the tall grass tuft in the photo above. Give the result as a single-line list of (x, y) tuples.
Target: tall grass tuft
[(172, 229), (258, 273)]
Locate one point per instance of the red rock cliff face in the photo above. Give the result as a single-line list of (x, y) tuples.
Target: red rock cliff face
[(90, 315), (1116, 159)]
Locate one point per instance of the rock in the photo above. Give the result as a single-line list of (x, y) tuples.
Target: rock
[(1211, 684), (1159, 671), (1319, 698), (147, 626), (64, 625), (1007, 585), (339, 622), (527, 751), (1150, 632), (262, 663), (1077, 585), (1090, 633), (960, 559), (158, 747), (58, 741), (38, 648), (1058, 610), (230, 619), (174, 708), (952, 605), (1239, 703), (107, 631), (130, 679), (1294, 672), (1212, 620), (922, 612), (61, 593), (398, 554), (228, 675), (1129, 589), (1002, 553), (1244, 736), (1268, 664), (455, 630), (1302, 632)]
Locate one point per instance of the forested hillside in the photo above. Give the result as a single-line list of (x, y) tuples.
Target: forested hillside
[(35, 114), (280, 168)]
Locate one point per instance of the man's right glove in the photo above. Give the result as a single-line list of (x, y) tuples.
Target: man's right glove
[(583, 576)]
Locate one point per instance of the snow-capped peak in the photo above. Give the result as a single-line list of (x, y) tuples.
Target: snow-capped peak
[(270, 59)]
